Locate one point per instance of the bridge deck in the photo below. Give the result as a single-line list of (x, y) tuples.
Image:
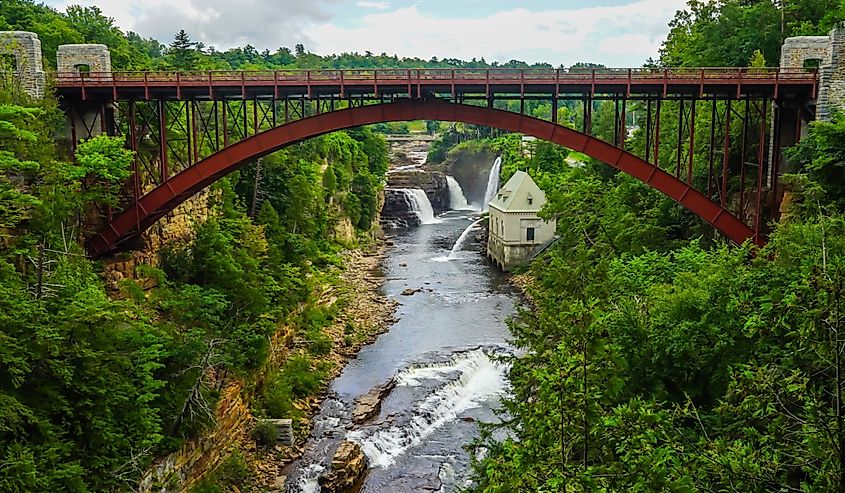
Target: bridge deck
[(465, 83)]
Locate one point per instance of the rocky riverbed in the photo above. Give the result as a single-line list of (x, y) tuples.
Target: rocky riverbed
[(411, 400), (371, 312)]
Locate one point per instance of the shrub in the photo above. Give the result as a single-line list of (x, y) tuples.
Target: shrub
[(265, 434)]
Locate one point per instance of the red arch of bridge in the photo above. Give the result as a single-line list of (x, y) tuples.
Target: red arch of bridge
[(161, 200)]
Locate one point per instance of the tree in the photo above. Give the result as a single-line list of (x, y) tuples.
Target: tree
[(183, 53)]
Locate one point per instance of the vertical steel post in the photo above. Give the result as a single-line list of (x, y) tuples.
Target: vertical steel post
[(761, 156), (623, 124), (225, 105), (745, 124), (712, 148), (657, 109), (723, 195), (193, 103), (162, 139), (691, 141), (680, 144), (648, 131), (136, 179)]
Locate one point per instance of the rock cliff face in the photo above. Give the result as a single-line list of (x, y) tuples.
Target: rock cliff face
[(432, 182), (397, 212), (471, 169), (348, 469)]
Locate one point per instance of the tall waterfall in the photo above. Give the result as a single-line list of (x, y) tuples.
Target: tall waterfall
[(419, 204), (492, 183), (457, 199), (463, 238)]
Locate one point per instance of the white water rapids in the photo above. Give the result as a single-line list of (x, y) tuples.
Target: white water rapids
[(478, 380)]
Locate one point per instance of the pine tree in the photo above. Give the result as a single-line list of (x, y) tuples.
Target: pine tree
[(183, 53)]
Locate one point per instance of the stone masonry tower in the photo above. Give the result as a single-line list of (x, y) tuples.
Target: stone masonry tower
[(826, 53), (72, 59), (25, 48)]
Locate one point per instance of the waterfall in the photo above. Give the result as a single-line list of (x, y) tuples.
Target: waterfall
[(457, 199), (492, 183), (419, 204), (461, 239), (470, 378)]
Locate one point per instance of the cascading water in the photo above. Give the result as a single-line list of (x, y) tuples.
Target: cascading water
[(478, 379), (457, 199), (419, 204), (492, 183), (461, 239)]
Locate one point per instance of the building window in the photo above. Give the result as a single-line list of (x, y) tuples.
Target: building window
[(529, 234), (530, 200)]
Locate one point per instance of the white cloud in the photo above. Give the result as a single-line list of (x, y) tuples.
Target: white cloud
[(618, 35), (374, 5), (601, 34), (221, 23)]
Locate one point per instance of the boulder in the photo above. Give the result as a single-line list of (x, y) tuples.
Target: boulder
[(369, 404), (348, 469)]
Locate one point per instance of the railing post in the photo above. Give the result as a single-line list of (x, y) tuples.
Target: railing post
[(243, 85), (308, 83), (522, 84), (777, 83), (557, 83), (454, 95), (487, 84)]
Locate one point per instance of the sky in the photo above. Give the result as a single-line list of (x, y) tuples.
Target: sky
[(616, 33)]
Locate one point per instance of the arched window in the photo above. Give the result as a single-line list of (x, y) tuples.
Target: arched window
[(8, 62), (812, 63)]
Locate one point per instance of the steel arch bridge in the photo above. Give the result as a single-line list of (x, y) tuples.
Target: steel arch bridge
[(189, 129)]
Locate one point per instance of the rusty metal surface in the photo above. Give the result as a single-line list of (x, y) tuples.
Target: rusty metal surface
[(418, 82), (176, 189)]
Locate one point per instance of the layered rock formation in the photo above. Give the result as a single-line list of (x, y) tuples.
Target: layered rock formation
[(348, 469), (433, 183)]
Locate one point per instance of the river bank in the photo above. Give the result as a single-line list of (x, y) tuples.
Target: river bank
[(434, 372), (365, 308)]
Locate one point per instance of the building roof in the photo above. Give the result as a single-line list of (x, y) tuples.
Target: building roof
[(514, 195)]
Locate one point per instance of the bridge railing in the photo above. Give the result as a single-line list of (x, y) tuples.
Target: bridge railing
[(446, 75)]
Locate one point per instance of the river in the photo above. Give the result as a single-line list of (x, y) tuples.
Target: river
[(439, 353)]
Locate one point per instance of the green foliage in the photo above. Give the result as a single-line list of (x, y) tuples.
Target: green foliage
[(233, 475), (265, 434), (103, 165), (821, 155), (299, 377), (728, 33)]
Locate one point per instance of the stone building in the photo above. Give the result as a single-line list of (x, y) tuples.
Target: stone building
[(24, 52), (515, 228)]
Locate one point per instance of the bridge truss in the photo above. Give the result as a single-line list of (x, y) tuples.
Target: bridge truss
[(717, 132)]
